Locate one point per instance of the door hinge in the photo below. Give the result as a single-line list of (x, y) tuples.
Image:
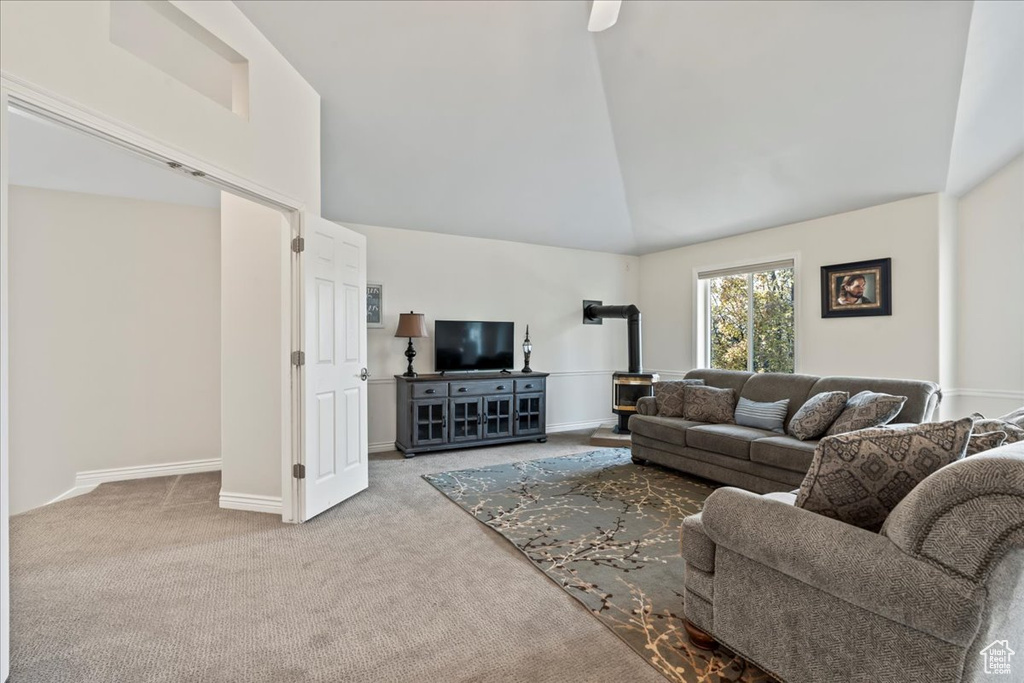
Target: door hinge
[(299, 471), (298, 245), (298, 358)]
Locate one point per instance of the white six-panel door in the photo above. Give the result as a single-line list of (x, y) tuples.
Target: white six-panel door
[(336, 443)]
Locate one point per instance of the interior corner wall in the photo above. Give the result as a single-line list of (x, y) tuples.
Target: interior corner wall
[(990, 323), (904, 344), (115, 337), (63, 47), (947, 303), (254, 254), (450, 277)]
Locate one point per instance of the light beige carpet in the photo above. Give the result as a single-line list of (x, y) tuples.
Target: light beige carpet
[(150, 581)]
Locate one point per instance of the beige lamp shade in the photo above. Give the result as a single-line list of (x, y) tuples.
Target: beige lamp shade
[(411, 325)]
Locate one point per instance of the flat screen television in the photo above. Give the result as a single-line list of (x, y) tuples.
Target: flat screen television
[(463, 345)]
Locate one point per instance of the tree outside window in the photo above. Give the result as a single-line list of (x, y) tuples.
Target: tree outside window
[(749, 319)]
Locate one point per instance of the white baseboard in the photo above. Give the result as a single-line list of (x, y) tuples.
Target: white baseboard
[(586, 424), (87, 481), (250, 502), (382, 447)]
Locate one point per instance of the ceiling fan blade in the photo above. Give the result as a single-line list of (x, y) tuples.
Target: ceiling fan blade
[(603, 15)]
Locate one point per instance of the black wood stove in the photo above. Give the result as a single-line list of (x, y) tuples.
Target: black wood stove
[(630, 386)]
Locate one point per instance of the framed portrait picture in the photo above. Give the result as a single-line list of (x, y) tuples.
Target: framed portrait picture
[(374, 304), (855, 289)]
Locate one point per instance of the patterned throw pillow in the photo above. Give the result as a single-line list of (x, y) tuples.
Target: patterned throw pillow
[(867, 409), (985, 441), (709, 404), (985, 426), (817, 414), (859, 478), (762, 415), (669, 396)]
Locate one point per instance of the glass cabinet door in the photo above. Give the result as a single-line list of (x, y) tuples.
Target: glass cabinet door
[(464, 416), (497, 416), (529, 417), (429, 422)]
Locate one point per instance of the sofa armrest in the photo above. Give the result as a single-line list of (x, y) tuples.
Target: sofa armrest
[(965, 516), (647, 405), (849, 563)]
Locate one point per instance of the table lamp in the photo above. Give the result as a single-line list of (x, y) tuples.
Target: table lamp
[(411, 325)]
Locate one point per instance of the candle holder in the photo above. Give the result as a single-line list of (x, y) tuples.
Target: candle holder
[(527, 350)]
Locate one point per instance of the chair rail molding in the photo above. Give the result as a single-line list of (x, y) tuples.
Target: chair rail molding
[(1011, 394)]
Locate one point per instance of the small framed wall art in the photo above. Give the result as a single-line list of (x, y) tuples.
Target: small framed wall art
[(855, 289), (374, 304)]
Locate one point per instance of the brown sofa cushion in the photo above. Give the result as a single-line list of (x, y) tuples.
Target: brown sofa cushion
[(669, 396), (816, 415), (865, 410), (723, 379), (709, 404), (668, 429), (768, 387), (859, 478), (922, 397), (784, 452), (731, 440)]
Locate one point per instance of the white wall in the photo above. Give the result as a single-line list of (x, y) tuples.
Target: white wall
[(448, 277), (905, 344), (254, 272), (990, 329), (115, 337), (64, 47), (63, 50)]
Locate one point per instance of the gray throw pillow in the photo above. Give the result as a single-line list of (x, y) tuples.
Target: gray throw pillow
[(867, 409), (859, 478), (669, 396), (985, 441), (985, 426), (762, 415), (709, 404), (817, 414), (1015, 418)]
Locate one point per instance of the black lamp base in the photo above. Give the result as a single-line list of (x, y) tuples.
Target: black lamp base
[(410, 353), (526, 366)]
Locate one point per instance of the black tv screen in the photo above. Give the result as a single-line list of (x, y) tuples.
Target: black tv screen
[(472, 345)]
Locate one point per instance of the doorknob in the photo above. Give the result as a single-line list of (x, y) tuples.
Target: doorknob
[(364, 374)]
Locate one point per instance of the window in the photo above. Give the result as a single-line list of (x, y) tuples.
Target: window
[(747, 318)]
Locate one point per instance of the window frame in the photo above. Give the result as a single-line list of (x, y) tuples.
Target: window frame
[(702, 310)]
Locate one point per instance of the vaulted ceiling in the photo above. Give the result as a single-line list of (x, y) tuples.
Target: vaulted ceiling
[(684, 122)]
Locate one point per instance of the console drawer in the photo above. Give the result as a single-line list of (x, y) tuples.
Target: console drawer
[(523, 385), (429, 389), (484, 387)]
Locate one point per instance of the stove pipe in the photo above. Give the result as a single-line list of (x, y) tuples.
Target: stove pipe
[(632, 315)]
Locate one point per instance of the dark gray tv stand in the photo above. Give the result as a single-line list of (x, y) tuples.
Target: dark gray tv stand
[(440, 413)]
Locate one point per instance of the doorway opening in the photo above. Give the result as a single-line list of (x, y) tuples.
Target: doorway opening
[(136, 320)]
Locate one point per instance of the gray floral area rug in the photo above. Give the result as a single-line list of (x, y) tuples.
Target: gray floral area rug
[(607, 531)]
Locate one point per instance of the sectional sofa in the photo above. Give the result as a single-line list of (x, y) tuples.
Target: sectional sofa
[(756, 459), (812, 599)]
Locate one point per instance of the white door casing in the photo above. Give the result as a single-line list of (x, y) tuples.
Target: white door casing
[(5, 573), (335, 425)]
